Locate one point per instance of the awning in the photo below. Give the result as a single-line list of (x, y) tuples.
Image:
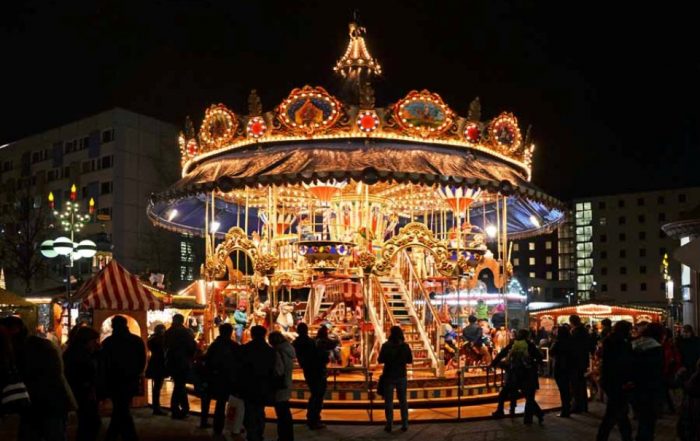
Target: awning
[(8, 298), (116, 288)]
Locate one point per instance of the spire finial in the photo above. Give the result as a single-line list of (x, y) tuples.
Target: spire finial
[(357, 59), (254, 103), (474, 110)]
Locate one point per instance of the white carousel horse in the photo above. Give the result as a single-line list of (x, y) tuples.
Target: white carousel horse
[(285, 319)]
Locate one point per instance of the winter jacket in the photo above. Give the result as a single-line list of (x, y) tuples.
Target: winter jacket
[(223, 367), (180, 348), (284, 364), (526, 380), (240, 318), (562, 356), (81, 369), (257, 373), (395, 357), (648, 367), (124, 356), (581, 348), (616, 363), (309, 357), (156, 364), (689, 349), (473, 333)]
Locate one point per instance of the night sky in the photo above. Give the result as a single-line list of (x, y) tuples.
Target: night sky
[(611, 89)]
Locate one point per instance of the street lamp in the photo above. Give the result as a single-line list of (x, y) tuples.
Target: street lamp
[(72, 221), (669, 297)]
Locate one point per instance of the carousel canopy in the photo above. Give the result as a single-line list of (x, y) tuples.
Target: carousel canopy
[(116, 288), (8, 298), (312, 136)]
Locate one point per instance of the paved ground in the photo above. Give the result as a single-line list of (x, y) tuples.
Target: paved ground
[(581, 427)]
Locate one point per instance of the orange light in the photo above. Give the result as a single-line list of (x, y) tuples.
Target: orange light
[(91, 206), (51, 200), (73, 193)]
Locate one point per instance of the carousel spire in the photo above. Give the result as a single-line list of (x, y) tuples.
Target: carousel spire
[(357, 59)]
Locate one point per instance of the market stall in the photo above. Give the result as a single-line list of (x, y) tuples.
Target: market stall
[(593, 313), (13, 304)]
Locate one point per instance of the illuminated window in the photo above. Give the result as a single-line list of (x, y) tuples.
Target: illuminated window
[(531, 246), (516, 261), (548, 245), (548, 260), (516, 247), (531, 261), (549, 275), (532, 275)]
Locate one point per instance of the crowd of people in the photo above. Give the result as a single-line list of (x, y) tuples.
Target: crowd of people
[(630, 367)]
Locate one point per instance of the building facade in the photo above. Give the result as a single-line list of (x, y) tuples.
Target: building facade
[(118, 158), (620, 245)]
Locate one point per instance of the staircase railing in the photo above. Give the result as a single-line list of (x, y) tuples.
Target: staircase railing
[(379, 310), (421, 308)]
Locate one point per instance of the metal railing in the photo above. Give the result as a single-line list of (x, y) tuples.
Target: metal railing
[(420, 307)]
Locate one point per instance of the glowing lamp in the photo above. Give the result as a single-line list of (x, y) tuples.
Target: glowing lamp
[(47, 249), (491, 231), (669, 290), (91, 206), (63, 246), (172, 214), (214, 226), (86, 248), (535, 221), (73, 193), (51, 200)]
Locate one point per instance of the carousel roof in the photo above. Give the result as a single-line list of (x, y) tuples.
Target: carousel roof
[(312, 135)]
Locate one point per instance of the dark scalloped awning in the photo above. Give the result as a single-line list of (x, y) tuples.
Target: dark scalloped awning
[(369, 160)]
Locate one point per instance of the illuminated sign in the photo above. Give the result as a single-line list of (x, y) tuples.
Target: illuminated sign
[(593, 309)]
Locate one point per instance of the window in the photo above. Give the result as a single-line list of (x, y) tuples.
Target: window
[(531, 261), (642, 286), (107, 136), (603, 254), (660, 200), (623, 270), (604, 271), (603, 288), (640, 202), (186, 254), (516, 261), (549, 275), (642, 235), (531, 246), (532, 275), (601, 205), (516, 247), (621, 203), (623, 287), (106, 162), (548, 245), (7, 166), (662, 217), (88, 166), (622, 237), (106, 187), (603, 238), (642, 252), (104, 213), (642, 269), (681, 197), (641, 218), (548, 260), (623, 253), (621, 220)]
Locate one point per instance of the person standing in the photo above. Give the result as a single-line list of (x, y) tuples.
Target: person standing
[(395, 354), (124, 357), (284, 365), (581, 348), (40, 366), (223, 368), (257, 379), (616, 381), (240, 318), (647, 375), (672, 363), (81, 361), (561, 353), (180, 348), (689, 349), (156, 367), (313, 365)]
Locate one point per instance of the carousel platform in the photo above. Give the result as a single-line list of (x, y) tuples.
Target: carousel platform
[(464, 410)]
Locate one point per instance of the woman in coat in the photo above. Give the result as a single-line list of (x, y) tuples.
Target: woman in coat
[(395, 354), (156, 366), (284, 364)]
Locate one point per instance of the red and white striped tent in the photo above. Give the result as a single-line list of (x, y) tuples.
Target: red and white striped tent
[(115, 288)]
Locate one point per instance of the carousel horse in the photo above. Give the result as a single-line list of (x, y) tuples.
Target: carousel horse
[(260, 313), (477, 354)]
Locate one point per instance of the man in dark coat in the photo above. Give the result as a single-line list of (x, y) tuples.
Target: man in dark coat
[(561, 354), (124, 356), (257, 376), (615, 379), (156, 366), (689, 348), (312, 363), (40, 367), (180, 348), (581, 349), (223, 369), (647, 375)]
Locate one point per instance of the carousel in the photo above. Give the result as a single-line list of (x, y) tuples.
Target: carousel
[(336, 211)]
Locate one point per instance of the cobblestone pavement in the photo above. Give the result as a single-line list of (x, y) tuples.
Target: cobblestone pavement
[(581, 427)]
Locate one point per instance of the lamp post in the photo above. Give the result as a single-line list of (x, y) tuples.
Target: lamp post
[(72, 221), (669, 297)]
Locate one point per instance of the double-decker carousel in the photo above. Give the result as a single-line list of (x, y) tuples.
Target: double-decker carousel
[(340, 213)]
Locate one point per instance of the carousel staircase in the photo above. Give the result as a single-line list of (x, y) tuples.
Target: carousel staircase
[(396, 299)]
